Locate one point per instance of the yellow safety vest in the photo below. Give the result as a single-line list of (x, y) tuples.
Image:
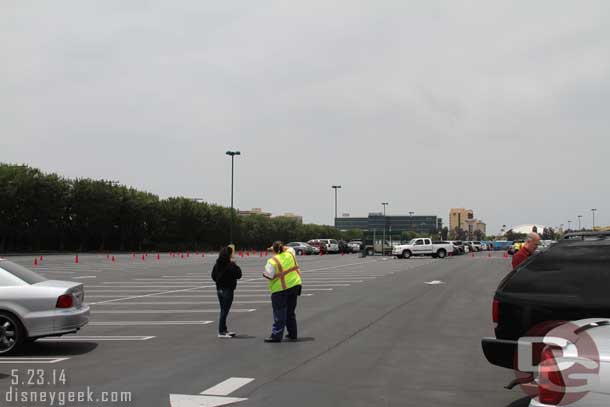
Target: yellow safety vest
[(287, 273)]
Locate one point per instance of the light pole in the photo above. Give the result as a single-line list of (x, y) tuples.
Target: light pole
[(336, 187), (384, 224), (593, 212), (579, 216), (232, 154), (570, 225)]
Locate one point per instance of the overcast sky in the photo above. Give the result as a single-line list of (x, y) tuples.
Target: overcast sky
[(501, 107)]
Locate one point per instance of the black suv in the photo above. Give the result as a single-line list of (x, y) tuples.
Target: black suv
[(568, 281)]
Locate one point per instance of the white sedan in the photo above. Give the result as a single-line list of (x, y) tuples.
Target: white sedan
[(33, 307)]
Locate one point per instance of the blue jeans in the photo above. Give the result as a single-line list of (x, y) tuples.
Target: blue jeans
[(225, 298), (284, 303)]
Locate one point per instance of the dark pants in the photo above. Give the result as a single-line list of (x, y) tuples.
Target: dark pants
[(225, 298), (284, 303)]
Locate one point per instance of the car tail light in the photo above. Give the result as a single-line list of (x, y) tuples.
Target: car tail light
[(495, 313), (551, 387), (65, 301)]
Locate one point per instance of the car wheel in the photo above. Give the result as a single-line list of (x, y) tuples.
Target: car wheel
[(299, 252), (406, 254), (370, 252), (11, 333), (441, 253)]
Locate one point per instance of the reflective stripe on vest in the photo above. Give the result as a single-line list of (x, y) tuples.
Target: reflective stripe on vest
[(282, 274)]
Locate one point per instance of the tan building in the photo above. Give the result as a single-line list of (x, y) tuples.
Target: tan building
[(255, 211), (465, 220), (458, 218), (294, 216)]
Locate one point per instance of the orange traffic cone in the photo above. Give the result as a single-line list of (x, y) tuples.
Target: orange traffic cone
[(142, 257), (113, 259), (158, 256), (35, 261), (40, 258), (76, 259)]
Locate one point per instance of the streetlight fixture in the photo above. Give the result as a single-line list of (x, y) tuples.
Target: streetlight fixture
[(593, 212), (232, 154), (384, 225), (579, 216), (336, 187)]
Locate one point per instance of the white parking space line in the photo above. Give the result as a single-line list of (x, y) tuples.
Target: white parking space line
[(82, 277), (227, 387), (262, 284), (55, 272), (237, 295), (167, 311), (32, 360), (96, 338), (184, 303), (142, 323)]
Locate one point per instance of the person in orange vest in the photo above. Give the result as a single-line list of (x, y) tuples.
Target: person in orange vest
[(282, 271)]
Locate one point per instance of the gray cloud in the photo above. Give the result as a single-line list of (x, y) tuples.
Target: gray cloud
[(499, 107)]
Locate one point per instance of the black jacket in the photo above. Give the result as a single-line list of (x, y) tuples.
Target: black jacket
[(226, 277)]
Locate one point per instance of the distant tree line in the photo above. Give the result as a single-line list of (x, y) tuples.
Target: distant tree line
[(41, 211)]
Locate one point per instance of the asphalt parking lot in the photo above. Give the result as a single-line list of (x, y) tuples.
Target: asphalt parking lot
[(372, 333)]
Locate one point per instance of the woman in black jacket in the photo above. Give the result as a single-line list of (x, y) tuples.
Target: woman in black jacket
[(225, 273)]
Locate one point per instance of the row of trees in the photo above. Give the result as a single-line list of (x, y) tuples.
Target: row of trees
[(41, 211)]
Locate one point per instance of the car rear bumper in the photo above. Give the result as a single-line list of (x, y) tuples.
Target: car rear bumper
[(500, 352), (56, 322)]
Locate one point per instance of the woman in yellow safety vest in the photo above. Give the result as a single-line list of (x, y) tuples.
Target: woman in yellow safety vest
[(284, 277)]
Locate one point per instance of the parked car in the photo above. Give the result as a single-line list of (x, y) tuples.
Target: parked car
[(33, 307), (568, 281), (301, 248), (422, 247), (344, 247), (458, 247), (589, 341), (355, 245), (318, 245), (476, 245), (332, 245)]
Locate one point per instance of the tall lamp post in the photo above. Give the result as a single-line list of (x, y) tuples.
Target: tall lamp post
[(593, 212), (384, 224), (579, 216), (336, 187), (232, 154), (570, 225)]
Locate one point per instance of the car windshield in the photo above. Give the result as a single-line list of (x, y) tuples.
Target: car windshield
[(21, 272)]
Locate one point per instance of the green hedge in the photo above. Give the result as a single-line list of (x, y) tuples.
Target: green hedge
[(41, 211)]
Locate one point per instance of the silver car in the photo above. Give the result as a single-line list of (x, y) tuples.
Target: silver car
[(301, 248), (32, 307)]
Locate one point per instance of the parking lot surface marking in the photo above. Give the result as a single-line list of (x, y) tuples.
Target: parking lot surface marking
[(228, 386), (32, 360), (123, 323), (96, 338)]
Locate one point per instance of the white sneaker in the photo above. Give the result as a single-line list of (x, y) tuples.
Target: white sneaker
[(225, 335), (231, 334)]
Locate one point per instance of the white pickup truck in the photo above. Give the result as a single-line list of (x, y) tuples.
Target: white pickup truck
[(422, 247)]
